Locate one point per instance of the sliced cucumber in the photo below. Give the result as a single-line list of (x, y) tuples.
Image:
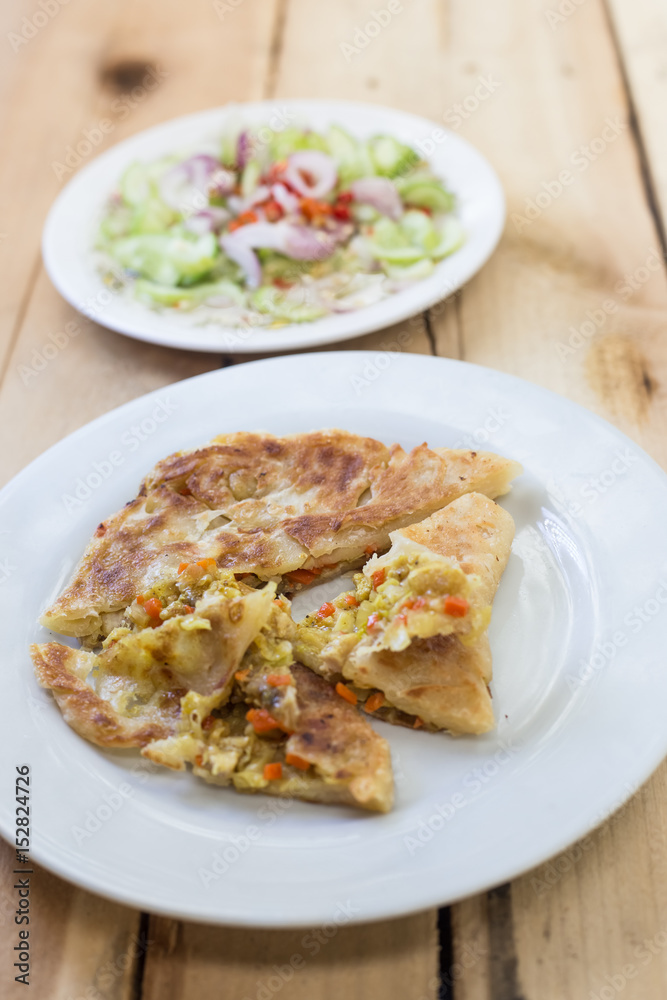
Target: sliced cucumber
[(342, 146), (365, 213), (230, 141), (167, 259), (116, 224), (250, 178), (352, 155), (452, 236), (292, 139), (425, 192), (290, 306), (151, 216), (398, 255), (413, 272), (419, 230), (387, 233), (391, 157), (136, 184), (168, 295)]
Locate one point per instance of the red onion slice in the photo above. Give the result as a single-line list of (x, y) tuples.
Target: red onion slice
[(222, 182), (287, 201), (311, 173), (297, 242), (241, 254), (304, 243), (243, 149), (208, 221), (380, 193), (185, 187)]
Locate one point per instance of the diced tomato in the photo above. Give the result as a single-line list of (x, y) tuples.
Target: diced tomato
[(244, 219), (370, 550), (273, 772), (415, 603), (275, 170), (327, 610), (378, 577), (272, 210), (188, 609), (457, 607), (261, 720), (373, 621), (153, 607), (314, 210), (342, 213), (207, 564), (351, 601), (141, 599), (182, 566)]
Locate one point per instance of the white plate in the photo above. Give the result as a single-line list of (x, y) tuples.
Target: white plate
[(71, 227), (578, 633)]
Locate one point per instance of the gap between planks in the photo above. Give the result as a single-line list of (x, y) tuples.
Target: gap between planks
[(645, 171)]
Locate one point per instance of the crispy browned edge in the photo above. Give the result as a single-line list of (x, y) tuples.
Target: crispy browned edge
[(88, 714)]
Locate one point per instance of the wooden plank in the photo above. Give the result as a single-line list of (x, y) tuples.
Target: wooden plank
[(570, 939), (48, 100), (576, 300), (640, 29), (81, 67), (411, 336), (385, 959), (109, 61), (398, 958), (81, 945)]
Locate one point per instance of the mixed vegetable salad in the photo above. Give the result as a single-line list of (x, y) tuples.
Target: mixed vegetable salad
[(290, 230)]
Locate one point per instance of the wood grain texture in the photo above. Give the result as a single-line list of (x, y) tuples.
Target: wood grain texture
[(84, 65), (83, 947), (575, 299), (386, 959), (640, 30)]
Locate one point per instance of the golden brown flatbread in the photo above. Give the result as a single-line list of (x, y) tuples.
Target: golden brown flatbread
[(331, 755), (415, 628), (205, 684), (266, 506), (129, 693)]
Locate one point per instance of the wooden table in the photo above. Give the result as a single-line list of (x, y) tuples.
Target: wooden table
[(574, 299)]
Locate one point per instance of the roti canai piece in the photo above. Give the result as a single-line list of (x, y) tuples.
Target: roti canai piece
[(212, 683), (412, 639), (296, 508), (192, 638)]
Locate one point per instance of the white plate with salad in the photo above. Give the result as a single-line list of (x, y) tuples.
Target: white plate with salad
[(273, 225)]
